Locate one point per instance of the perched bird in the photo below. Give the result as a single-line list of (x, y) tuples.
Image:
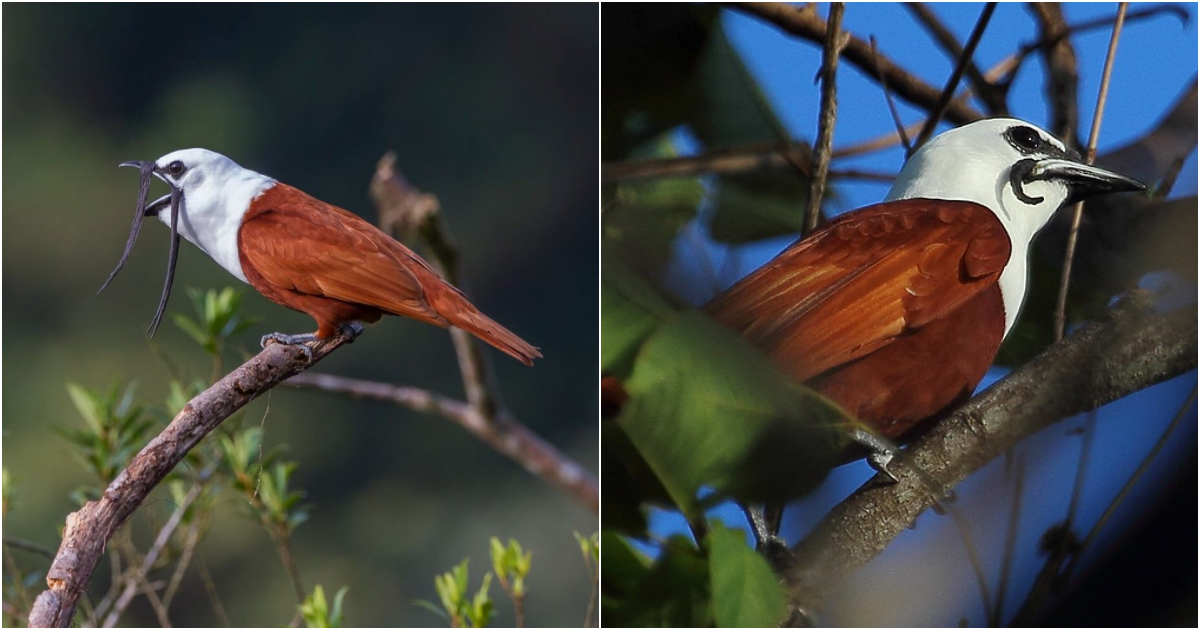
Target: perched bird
[(302, 253), (895, 311)]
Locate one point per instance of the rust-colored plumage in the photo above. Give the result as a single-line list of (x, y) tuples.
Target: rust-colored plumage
[(892, 311), (318, 259)]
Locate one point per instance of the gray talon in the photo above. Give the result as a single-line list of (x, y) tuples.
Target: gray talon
[(883, 453), (296, 341), (352, 330)]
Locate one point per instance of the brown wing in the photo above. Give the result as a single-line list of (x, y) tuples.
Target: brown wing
[(865, 279), (298, 243)]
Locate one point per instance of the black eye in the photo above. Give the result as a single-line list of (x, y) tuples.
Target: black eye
[(176, 168), (1025, 138)]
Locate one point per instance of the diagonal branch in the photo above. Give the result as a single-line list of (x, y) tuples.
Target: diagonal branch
[(1099, 363), (947, 95), (806, 24), (88, 530), (502, 432), (992, 95), (403, 208)]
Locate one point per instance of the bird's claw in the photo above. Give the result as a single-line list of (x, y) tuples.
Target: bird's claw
[(351, 331), (883, 453), (296, 341)]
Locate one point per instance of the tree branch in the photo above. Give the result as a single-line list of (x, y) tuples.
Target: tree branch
[(1099, 363), (88, 530), (503, 433), (806, 24)]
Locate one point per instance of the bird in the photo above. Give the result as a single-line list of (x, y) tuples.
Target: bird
[(302, 253), (896, 310)]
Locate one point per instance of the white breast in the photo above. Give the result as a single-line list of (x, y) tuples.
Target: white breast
[(211, 214)]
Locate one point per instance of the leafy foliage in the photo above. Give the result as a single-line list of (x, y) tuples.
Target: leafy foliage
[(511, 566), (318, 614), (461, 608), (114, 428)]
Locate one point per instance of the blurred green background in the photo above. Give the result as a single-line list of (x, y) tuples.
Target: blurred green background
[(492, 108)]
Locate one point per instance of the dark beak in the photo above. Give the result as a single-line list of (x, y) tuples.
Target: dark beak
[(148, 170), (1084, 180)]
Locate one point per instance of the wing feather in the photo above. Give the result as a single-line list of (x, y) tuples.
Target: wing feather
[(310, 247), (864, 280)]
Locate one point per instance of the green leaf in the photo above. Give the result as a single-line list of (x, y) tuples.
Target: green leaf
[(335, 615), (674, 592), (86, 403), (708, 409), (630, 309), (745, 591), (193, 330)]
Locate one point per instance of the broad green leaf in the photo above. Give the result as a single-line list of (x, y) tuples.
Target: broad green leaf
[(673, 592), (708, 409), (745, 591), (630, 309)]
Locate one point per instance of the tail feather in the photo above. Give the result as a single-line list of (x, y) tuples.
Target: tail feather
[(462, 314)]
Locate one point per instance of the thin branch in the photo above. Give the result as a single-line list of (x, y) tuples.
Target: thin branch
[(823, 147), (1137, 474), (1060, 309), (89, 529), (947, 95), (806, 24), (164, 536), (1010, 543), (25, 545), (403, 208), (991, 94), (1100, 362), (210, 587), (749, 157), (502, 433), (1062, 70), (901, 132), (964, 531)]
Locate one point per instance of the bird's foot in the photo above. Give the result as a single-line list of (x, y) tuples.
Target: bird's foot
[(298, 341), (351, 331), (883, 453)]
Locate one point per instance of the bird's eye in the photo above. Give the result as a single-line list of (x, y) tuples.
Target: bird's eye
[(176, 168), (1025, 138)]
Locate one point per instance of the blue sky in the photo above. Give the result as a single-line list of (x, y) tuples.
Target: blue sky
[(1156, 60)]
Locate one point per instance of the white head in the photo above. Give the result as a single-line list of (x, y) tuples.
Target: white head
[(216, 193), (1017, 170)]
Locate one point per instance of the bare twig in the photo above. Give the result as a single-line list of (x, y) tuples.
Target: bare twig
[(502, 433), (1098, 363), (1060, 309), (823, 147), (25, 545), (1010, 543), (210, 587), (1062, 70), (964, 531), (992, 95), (403, 208), (806, 24), (88, 530), (901, 132), (947, 95), (164, 536)]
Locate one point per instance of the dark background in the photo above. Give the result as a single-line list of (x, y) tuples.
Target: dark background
[(493, 109)]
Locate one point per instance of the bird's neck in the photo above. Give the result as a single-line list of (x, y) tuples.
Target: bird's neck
[(210, 215)]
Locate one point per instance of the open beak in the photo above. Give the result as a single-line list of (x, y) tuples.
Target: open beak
[(173, 200), (1084, 180)]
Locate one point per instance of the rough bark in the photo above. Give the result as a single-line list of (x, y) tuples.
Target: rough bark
[(88, 530), (1099, 363)]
